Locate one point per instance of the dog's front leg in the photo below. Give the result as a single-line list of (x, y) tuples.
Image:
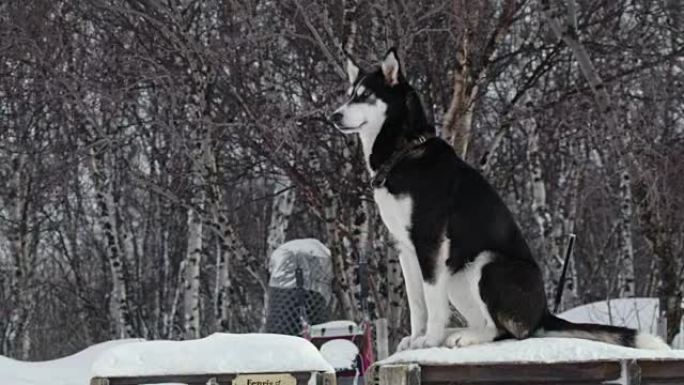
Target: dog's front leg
[(437, 305), (416, 298), (436, 300)]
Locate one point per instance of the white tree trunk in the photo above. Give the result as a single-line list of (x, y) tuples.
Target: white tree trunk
[(550, 259), (331, 214), (16, 334), (539, 204), (349, 18), (572, 282), (235, 250), (193, 259), (199, 154), (223, 289), (101, 167), (396, 291), (458, 119), (553, 228), (626, 273), (169, 319), (567, 32), (229, 250), (197, 128), (283, 204), (224, 310)]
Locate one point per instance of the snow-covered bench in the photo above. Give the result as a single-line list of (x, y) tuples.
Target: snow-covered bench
[(69, 370), (259, 359), (536, 360)]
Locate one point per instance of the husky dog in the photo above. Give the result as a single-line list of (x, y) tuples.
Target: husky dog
[(457, 240)]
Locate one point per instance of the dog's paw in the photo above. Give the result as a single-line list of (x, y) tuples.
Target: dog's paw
[(467, 337), (405, 343), (427, 341)]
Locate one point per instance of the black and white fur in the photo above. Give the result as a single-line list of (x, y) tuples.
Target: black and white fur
[(457, 240)]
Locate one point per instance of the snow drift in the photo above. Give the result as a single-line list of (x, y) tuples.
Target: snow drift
[(217, 353), (635, 313), (70, 370)]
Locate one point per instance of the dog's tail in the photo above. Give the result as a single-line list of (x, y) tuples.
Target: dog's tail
[(552, 326)]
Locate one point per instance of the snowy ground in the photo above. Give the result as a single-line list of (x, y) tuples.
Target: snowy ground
[(636, 313)]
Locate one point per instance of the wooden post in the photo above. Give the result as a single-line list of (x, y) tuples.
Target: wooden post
[(661, 328), (372, 375), (325, 378), (631, 373), (99, 381), (400, 374), (381, 338)]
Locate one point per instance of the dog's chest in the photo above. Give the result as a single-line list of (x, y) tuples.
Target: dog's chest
[(395, 211)]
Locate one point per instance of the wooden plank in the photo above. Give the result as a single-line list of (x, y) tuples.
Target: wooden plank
[(382, 338), (631, 373), (191, 379), (580, 372), (263, 379), (372, 375), (99, 381), (326, 379), (673, 381), (661, 371), (661, 327), (514, 382), (194, 379), (408, 374)]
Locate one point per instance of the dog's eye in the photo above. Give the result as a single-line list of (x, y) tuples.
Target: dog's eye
[(366, 93)]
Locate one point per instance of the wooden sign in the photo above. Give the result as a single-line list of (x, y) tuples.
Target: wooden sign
[(265, 379)]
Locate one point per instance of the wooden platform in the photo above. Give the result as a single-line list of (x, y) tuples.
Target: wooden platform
[(300, 378), (627, 372)]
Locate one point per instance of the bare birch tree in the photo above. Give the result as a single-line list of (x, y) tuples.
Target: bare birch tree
[(152, 152)]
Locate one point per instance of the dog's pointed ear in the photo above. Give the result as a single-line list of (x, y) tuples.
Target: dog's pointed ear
[(391, 68), (352, 69)]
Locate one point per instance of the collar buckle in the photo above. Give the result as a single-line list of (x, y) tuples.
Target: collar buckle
[(380, 178)]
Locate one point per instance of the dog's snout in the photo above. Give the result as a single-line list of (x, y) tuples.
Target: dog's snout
[(336, 117)]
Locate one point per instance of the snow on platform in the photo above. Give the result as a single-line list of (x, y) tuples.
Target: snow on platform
[(335, 329), (340, 353), (339, 324), (70, 370), (217, 353), (532, 350)]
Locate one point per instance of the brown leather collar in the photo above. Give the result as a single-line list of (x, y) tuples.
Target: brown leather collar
[(412, 148)]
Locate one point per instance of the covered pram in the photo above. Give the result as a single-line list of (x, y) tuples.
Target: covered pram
[(300, 287)]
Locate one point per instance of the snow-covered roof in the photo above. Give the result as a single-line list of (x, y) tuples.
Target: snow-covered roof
[(678, 341), (311, 256), (340, 353), (70, 370), (636, 313), (310, 246), (337, 324), (217, 353), (539, 350), (335, 329)]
